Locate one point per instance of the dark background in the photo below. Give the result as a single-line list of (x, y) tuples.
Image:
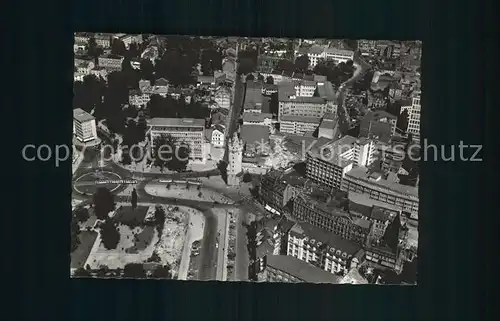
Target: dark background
[(455, 197)]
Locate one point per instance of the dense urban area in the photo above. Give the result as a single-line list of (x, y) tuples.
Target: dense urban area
[(288, 160)]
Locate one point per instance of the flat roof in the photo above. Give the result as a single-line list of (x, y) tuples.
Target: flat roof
[(187, 122), (300, 269), (361, 173), (365, 200), (247, 116), (331, 151), (254, 134), (301, 119), (81, 115)]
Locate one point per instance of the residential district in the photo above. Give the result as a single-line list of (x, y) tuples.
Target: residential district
[(294, 160)]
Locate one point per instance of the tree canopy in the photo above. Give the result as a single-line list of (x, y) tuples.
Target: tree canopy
[(170, 153), (110, 235), (103, 202), (134, 270), (162, 272)]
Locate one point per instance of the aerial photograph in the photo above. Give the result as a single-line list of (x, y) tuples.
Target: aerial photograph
[(201, 158)]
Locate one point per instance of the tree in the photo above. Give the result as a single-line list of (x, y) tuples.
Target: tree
[(81, 272), (134, 270), (260, 77), (270, 80), (211, 60), (81, 214), (103, 202), (247, 177), (250, 77), (147, 69), (159, 218), (302, 63), (118, 47), (133, 50), (222, 166), (162, 272), (285, 65), (170, 153), (134, 199), (75, 232), (110, 235)]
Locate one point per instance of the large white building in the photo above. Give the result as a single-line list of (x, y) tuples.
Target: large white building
[(414, 117), (111, 62), (298, 125), (328, 162), (84, 127), (185, 130), (317, 53)]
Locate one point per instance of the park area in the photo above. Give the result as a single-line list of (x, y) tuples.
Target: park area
[(185, 191)]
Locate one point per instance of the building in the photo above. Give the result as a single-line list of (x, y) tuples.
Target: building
[(84, 66), (391, 156), (328, 161), (283, 268), (298, 125), (206, 81), (338, 55), (379, 125), (103, 40), (253, 98), (223, 97), (269, 89), (379, 213), (185, 130), (217, 137), (82, 38), (111, 62), (329, 213), (291, 105), (325, 250), (361, 180), (84, 127), (304, 88), (414, 117), (99, 72), (353, 277), (387, 252), (142, 96), (128, 39), (329, 127), (234, 168), (263, 119)]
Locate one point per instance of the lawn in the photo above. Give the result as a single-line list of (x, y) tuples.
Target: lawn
[(128, 216), (80, 255)]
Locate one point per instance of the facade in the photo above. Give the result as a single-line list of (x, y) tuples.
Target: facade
[(185, 130), (329, 214), (304, 88), (291, 105), (111, 62), (218, 137), (317, 53), (103, 40), (84, 127), (284, 268), (298, 125), (414, 117), (338, 55), (234, 168), (328, 163), (329, 128), (142, 96), (391, 156), (264, 119), (325, 250), (223, 97), (128, 39), (360, 180)]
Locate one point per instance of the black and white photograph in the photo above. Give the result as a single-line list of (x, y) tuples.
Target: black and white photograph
[(199, 158)]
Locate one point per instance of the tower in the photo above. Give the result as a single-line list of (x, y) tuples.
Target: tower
[(235, 159)]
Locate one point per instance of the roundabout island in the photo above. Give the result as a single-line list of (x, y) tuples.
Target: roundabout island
[(89, 182)]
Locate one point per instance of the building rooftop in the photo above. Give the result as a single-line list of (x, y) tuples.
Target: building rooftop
[(331, 152), (301, 119), (254, 134), (285, 94), (180, 122), (256, 117), (81, 115), (300, 269), (336, 51), (315, 236), (326, 91), (365, 200), (361, 173)]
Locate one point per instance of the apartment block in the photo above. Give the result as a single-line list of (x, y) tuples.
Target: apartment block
[(84, 127)]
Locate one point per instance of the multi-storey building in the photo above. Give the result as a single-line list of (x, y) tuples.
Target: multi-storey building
[(128, 39), (257, 119), (82, 38), (331, 215), (386, 252), (329, 127), (378, 124), (185, 130), (142, 96), (414, 117), (328, 162), (103, 40), (223, 97), (361, 180), (338, 55), (317, 53), (379, 213), (327, 251), (217, 138), (253, 98), (304, 88), (391, 156), (84, 127), (111, 62), (284, 268), (298, 125)]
